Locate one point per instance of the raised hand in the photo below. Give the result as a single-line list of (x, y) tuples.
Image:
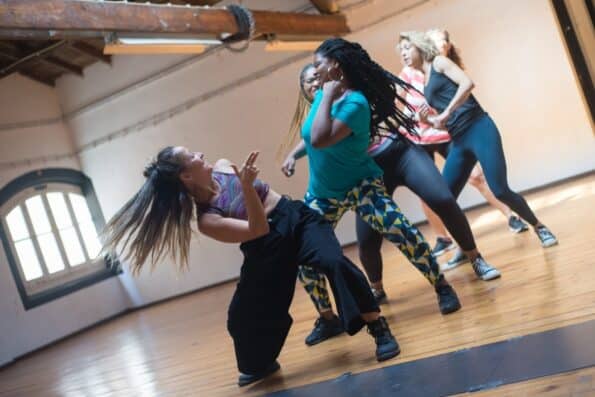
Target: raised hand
[(247, 174), (332, 89)]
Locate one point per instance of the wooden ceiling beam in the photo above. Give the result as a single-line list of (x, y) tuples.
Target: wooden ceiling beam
[(184, 2), (43, 80), (108, 16), (63, 65), (326, 6), (91, 51), (21, 58)]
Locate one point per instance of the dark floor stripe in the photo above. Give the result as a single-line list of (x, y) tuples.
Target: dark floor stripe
[(478, 368)]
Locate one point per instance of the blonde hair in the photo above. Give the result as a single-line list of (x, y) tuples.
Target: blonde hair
[(422, 42), (453, 52), (299, 116)]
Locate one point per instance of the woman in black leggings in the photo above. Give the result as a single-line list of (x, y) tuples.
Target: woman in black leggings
[(474, 134)]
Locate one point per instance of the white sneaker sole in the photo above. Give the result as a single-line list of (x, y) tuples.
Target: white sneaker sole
[(491, 275), (549, 243)]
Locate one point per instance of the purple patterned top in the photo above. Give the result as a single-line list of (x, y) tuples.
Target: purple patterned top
[(229, 203)]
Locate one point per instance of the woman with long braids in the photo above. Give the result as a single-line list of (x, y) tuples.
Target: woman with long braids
[(357, 98), (276, 234), (474, 135), (403, 164)]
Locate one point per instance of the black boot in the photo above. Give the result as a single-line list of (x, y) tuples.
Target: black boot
[(448, 301), (246, 379), (324, 329), (386, 344)]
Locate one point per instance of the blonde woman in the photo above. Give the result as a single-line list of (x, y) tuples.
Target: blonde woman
[(475, 137), (441, 39)]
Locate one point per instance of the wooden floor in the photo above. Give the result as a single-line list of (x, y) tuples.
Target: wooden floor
[(181, 347), (579, 383)]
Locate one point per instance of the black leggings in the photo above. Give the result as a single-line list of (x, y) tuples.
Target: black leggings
[(258, 316), (481, 141), (408, 165)]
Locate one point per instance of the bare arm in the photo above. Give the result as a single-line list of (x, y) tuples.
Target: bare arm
[(227, 230), (326, 131), (236, 230), (298, 152), (447, 67)]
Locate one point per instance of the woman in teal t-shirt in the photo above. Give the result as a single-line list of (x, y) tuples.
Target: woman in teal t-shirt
[(357, 100)]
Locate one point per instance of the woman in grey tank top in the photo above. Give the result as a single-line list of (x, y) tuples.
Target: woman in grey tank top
[(475, 136)]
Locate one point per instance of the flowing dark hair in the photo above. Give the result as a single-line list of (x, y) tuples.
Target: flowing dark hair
[(156, 220), (378, 85)]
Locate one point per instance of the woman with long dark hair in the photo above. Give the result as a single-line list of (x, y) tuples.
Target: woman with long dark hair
[(277, 235), (475, 137), (356, 103)]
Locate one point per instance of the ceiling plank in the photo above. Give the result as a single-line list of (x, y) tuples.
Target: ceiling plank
[(91, 51), (63, 65), (43, 80), (326, 6), (110, 16), (38, 55)]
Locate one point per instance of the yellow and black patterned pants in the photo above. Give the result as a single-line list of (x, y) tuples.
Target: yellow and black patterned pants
[(372, 203)]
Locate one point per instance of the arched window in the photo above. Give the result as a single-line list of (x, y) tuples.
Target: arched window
[(49, 229)]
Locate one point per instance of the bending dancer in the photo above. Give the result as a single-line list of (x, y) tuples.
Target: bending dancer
[(276, 234)]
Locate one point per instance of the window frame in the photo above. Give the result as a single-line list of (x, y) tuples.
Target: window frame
[(56, 285)]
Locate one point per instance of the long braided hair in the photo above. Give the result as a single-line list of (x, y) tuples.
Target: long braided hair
[(378, 85)]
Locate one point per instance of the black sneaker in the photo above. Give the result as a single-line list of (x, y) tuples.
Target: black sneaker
[(379, 296), (246, 379), (516, 225), (323, 330), (457, 259), (484, 270), (546, 237), (442, 245), (386, 344), (448, 301)]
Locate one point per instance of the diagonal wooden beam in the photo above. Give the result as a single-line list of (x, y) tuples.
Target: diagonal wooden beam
[(39, 55), (109, 16), (91, 51), (326, 6), (28, 74), (64, 65), (39, 79)]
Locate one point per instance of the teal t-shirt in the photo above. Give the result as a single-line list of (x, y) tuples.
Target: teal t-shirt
[(336, 169)]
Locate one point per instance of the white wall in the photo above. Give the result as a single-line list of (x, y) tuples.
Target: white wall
[(525, 85), (23, 330)]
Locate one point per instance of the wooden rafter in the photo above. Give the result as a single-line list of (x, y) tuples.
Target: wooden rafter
[(91, 51), (20, 58), (183, 2), (326, 6), (109, 16)]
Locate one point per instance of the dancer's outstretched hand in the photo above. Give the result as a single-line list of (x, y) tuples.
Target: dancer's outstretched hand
[(247, 174), (288, 167)]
